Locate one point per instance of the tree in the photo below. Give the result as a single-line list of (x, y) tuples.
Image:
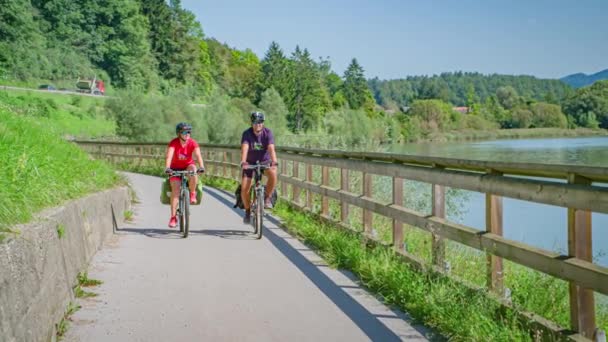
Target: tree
[(433, 88), (274, 70), (548, 115), (434, 114), (589, 102), (507, 97), (276, 112), (355, 87), (309, 99)]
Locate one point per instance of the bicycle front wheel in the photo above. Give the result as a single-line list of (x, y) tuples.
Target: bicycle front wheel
[(186, 217), (180, 213), (259, 213)]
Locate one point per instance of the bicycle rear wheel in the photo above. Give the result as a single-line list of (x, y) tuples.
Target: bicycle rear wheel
[(259, 213)]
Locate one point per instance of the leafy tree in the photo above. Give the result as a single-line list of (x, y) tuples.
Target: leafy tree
[(435, 115), (507, 97), (276, 112), (275, 71), (309, 99), (521, 118), (350, 128), (355, 87), (587, 103), (433, 88), (548, 115)]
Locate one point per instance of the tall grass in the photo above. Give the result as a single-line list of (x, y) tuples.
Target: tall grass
[(67, 115), (39, 169)]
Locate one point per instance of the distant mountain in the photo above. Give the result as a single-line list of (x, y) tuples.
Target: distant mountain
[(581, 80)]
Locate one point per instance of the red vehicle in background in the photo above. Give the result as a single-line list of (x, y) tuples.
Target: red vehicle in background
[(91, 86)]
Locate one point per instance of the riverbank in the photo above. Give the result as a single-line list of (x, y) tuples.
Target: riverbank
[(519, 133)]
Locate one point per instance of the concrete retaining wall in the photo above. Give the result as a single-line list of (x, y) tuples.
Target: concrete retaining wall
[(38, 269)]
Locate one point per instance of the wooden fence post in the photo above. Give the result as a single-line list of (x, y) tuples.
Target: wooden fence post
[(494, 268), (224, 168), (344, 186), (295, 190), (367, 215), (325, 200), (398, 225), (309, 194), (284, 173), (582, 302), (438, 243)]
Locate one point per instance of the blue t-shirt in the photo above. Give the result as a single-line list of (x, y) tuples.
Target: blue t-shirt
[(258, 145)]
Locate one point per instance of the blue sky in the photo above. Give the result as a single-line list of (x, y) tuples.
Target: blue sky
[(394, 39)]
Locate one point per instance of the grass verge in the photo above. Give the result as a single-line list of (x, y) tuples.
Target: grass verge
[(38, 169)]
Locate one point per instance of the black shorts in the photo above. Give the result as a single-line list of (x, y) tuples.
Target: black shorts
[(249, 173)]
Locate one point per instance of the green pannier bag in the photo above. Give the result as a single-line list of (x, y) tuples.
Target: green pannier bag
[(165, 192)]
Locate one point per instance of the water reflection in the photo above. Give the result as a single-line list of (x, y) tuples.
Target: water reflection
[(575, 151), (540, 225)]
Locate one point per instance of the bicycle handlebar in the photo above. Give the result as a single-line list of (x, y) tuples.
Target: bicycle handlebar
[(257, 166), (184, 172)]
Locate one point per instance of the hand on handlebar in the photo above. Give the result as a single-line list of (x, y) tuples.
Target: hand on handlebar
[(200, 170), (168, 171), (244, 165)]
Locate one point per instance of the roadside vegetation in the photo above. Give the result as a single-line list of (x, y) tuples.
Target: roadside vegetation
[(155, 57), (66, 115), (38, 168)]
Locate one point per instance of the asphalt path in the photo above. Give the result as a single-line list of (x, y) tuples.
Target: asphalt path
[(221, 284)]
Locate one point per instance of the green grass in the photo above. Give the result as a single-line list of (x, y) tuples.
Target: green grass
[(38, 169), (84, 280), (128, 215), (67, 115), (62, 327), (61, 231)]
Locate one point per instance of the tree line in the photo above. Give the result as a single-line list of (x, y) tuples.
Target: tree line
[(156, 48)]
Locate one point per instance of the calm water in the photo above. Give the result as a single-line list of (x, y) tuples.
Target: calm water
[(540, 225)]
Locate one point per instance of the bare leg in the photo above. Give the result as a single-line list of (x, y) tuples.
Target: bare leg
[(245, 187), (271, 174), (175, 187), (192, 179)]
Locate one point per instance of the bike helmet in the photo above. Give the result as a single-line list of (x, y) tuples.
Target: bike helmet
[(257, 117), (182, 126)]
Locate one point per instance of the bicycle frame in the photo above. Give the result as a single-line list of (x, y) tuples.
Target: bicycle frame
[(183, 207), (257, 198)]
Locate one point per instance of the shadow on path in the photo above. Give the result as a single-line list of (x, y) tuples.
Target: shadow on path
[(365, 320)]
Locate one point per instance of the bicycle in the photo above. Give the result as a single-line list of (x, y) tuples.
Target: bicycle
[(183, 208), (257, 197)]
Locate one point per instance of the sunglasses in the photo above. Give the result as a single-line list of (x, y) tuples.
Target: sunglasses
[(257, 122), (185, 132)]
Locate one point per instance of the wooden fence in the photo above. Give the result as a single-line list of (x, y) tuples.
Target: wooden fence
[(573, 187)]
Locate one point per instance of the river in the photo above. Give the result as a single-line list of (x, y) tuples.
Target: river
[(539, 225)]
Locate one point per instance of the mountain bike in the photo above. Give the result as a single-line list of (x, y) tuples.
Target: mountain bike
[(257, 197), (183, 208)]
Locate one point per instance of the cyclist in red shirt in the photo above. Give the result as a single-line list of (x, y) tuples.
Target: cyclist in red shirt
[(178, 158)]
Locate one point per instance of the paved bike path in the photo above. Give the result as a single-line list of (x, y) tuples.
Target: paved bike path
[(220, 284)]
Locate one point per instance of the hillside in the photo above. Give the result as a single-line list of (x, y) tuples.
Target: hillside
[(580, 80)]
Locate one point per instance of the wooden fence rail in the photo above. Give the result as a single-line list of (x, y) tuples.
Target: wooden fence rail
[(576, 188)]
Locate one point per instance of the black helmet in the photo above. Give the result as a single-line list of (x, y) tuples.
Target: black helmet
[(182, 126), (257, 117)]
